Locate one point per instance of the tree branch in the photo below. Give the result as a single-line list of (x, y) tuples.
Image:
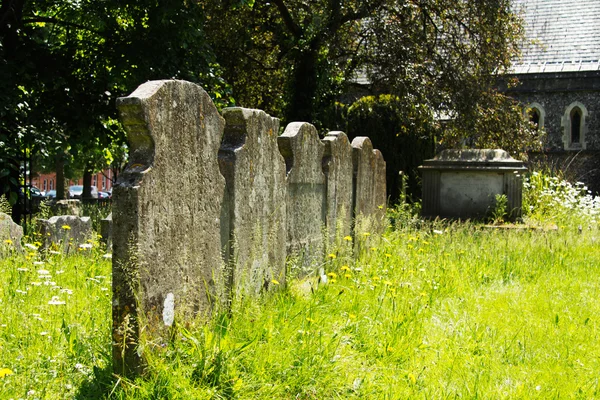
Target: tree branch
[(288, 20), (55, 21)]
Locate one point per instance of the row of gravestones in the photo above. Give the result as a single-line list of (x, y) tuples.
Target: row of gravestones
[(210, 205)]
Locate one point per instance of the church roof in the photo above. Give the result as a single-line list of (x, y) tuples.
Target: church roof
[(561, 36)]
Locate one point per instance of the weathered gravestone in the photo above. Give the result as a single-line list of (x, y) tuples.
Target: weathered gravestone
[(167, 263), (369, 186), (337, 165), (66, 207), (106, 231), (306, 197), (254, 209), (66, 232), (464, 183), (11, 233)]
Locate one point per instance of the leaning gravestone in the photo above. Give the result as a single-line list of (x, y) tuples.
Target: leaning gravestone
[(167, 263), (306, 198), (65, 232), (464, 183), (11, 233), (337, 165), (254, 212)]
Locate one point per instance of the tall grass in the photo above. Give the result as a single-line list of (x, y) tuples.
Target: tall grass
[(428, 310)]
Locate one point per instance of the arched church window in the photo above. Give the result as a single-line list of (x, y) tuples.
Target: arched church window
[(534, 117), (575, 125)]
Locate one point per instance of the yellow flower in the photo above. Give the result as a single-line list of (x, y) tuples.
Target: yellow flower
[(380, 207), (332, 256), (388, 283), (274, 281), (352, 316), (347, 276), (373, 248), (8, 241), (390, 349), (412, 378), (388, 255), (309, 319), (332, 275), (66, 227), (366, 234), (345, 268), (376, 278), (348, 238), (5, 372)]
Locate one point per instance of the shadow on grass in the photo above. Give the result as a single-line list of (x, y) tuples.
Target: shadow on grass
[(100, 387)]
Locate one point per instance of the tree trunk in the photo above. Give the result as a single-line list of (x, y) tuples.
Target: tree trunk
[(87, 182), (303, 88), (61, 182)]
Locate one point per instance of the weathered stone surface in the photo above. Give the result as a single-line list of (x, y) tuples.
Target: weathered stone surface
[(369, 186), (10, 231), (66, 232), (464, 183), (167, 261), (337, 165), (67, 207), (106, 225), (306, 199), (254, 211)]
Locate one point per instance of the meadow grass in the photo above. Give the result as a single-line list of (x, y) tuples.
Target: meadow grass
[(429, 310)]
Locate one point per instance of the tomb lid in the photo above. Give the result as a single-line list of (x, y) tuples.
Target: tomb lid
[(488, 159)]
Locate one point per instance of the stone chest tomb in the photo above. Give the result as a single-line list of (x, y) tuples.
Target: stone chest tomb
[(464, 183)]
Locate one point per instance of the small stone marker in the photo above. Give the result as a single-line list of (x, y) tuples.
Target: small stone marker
[(337, 165), (67, 207), (306, 199), (464, 183), (167, 262), (254, 210), (11, 233), (106, 231), (66, 232)]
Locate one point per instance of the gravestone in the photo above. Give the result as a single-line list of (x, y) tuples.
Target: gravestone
[(369, 186), (11, 233), (464, 183), (66, 232), (306, 198), (337, 165), (167, 264), (106, 231), (254, 212), (66, 207)]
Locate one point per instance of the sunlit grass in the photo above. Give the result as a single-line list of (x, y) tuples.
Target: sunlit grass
[(448, 310)]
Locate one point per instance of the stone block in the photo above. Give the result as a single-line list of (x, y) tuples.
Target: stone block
[(65, 232), (167, 264), (464, 183), (11, 233), (106, 225), (306, 193), (337, 166), (254, 209), (66, 207)]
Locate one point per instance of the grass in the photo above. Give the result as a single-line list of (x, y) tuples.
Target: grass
[(430, 310)]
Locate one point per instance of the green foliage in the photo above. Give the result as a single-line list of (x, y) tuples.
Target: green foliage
[(500, 213), (404, 133)]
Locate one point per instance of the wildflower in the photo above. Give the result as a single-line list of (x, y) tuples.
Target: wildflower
[(380, 207), (22, 269), (86, 246), (373, 248), (366, 234), (376, 278), (387, 283), (38, 263), (347, 276), (332, 275), (8, 241), (66, 227), (43, 272), (54, 252), (21, 291), (43, 333), (5, 372), (352, 316), (36, 283), (344, 268), (412, 378), (332, 256), (274, 281), (348, 238), (388, 255), (309, 319), (390, 349), (56, 301), (109, 256)]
